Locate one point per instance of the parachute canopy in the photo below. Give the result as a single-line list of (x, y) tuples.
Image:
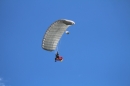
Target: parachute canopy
[(54, 33)]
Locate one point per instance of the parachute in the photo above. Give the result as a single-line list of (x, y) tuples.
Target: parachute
[(54, 34)]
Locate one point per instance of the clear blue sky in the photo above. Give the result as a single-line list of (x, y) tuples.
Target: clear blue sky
[(96, 52)]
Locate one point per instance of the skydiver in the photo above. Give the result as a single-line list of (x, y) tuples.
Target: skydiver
[(58, 58)]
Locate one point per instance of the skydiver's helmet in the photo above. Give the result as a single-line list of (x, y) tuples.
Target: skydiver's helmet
[(67, 32)]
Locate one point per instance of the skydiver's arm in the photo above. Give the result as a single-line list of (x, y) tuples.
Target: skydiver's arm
[(57, 53)]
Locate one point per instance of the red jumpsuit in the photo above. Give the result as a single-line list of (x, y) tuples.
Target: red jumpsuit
[(60, 58)]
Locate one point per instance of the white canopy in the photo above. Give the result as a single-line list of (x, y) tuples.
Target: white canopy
[(54, 33)]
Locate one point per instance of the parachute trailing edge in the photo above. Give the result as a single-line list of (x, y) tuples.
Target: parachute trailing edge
[(54, 33)]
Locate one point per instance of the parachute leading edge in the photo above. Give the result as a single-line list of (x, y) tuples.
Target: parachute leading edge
[(54, 33)]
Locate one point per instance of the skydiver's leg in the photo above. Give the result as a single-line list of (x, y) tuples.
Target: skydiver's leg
[(55, 59)]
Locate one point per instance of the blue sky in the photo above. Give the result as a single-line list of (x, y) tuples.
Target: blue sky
[(96, 52)]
